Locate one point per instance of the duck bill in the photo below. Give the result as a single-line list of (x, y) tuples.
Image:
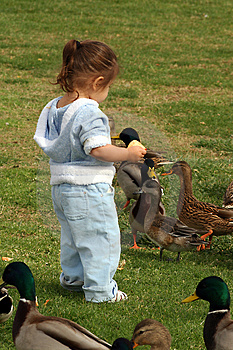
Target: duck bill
[(116, 137), (170, 172), (135, 345), (2, 283), (151, 173), (190, 298)]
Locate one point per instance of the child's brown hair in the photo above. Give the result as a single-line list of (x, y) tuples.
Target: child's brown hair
[(85, 61)]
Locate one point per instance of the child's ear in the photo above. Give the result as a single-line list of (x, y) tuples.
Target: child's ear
[(97, 82)]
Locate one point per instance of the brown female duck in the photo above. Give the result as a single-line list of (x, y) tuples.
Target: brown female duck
[(153, 333), (197, 214), (228, 197), (166, 232)]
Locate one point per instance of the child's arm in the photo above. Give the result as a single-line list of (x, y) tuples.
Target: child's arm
[(111, 153)]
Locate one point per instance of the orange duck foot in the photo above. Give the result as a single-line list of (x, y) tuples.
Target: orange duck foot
[(203, 246), (210, 235), (135, 246), (126, 204)]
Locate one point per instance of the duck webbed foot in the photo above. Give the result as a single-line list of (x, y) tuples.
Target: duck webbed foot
[(126, 204), (203, 246), (135, 246)]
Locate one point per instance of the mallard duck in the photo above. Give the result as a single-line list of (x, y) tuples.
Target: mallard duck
[(167, 232), (152, 332), (130, 179), (228, 197), (218, 328), (6, 306), (129, 173), (197, 214), (32, 330), (122, 344), (130, 138)]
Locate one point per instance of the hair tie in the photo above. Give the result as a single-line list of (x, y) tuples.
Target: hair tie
[(78, 44)]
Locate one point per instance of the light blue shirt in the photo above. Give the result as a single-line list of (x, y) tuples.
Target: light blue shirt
[(67, 135)]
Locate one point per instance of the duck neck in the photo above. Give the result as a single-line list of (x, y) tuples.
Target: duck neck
[(220, 302), (211, 324), (24, 307), (27, 291), (186, 190), (141, 208), (152, 212), (186, 183)]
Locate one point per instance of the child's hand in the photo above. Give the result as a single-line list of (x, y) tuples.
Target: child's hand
[(136, 153)]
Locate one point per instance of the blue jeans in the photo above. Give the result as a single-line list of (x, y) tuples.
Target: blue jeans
[(90, 239)]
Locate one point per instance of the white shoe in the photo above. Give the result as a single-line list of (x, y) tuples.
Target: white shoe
[(119, 296)]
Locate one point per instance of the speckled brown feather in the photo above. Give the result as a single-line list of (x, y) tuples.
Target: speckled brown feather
[(197, 214), (171, 234), (167, 232), (228, 197)]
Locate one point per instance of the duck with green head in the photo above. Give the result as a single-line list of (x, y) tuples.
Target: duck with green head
[(130, 138), (32, 330), (122, 344), (218, 328), (129, 173), (146, 168)]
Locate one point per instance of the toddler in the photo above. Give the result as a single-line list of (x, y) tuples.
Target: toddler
[(75, 134)]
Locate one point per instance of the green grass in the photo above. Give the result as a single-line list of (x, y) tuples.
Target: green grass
[(175, 88)]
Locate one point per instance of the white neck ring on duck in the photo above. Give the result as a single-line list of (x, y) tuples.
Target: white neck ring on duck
[(218, 311)]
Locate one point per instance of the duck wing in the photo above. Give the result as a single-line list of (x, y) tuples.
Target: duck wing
[(225, 213), (71, 334), (129, 178), (193, 204), (34, 331), (177, 228)]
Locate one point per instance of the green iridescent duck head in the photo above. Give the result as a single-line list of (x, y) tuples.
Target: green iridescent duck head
[(214, 290), (19, 275)]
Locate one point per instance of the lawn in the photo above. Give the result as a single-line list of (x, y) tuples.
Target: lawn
[(175, 88)]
